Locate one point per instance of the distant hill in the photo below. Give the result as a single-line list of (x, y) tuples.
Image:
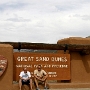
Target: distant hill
[(88, 37)]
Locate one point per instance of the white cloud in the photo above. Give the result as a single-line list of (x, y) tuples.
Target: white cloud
[(43, 21)]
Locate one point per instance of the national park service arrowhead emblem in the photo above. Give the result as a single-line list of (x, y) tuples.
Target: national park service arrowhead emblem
[(3, 64)]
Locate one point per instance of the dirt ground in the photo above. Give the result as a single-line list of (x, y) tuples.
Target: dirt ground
[(72, 89)]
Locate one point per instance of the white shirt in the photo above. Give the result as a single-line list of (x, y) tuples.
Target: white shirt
[(25, 75)]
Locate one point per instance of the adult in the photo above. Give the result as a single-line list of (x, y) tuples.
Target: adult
[(40, 75), (25, 78)]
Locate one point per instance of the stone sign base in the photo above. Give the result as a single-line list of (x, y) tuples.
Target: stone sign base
[(7, 77), (56, 86)]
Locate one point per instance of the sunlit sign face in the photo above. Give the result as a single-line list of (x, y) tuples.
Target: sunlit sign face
[(55, 64), (3, 64)]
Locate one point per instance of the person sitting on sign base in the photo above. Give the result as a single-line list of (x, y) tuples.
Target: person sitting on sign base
[(40, 76), (25, 78)]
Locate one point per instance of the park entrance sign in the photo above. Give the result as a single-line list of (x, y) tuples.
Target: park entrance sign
[(3, 64), (56, 65)]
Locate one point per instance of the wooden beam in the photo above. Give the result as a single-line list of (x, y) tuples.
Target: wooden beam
[(24, 45), (43, 46)]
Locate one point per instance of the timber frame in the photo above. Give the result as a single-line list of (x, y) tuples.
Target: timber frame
[(83, 49)]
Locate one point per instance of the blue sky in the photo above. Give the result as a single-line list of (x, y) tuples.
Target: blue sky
[(43, 21)]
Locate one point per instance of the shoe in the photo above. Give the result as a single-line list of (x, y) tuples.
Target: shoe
[(37, 89), (45, 88)]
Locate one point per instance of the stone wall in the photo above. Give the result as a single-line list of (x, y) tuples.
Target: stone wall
[(80, 64)]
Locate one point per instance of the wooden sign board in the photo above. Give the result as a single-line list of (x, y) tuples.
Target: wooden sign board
[(3, 64), (56, 65)]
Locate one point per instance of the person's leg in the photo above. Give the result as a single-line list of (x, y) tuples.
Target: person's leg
[(36, 82), (20, 84), (45, 82), (31, 84)]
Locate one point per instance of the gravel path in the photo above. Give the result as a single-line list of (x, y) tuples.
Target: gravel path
[(70, 89)]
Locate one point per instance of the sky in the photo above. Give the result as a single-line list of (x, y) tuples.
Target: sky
[(43, 21)]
